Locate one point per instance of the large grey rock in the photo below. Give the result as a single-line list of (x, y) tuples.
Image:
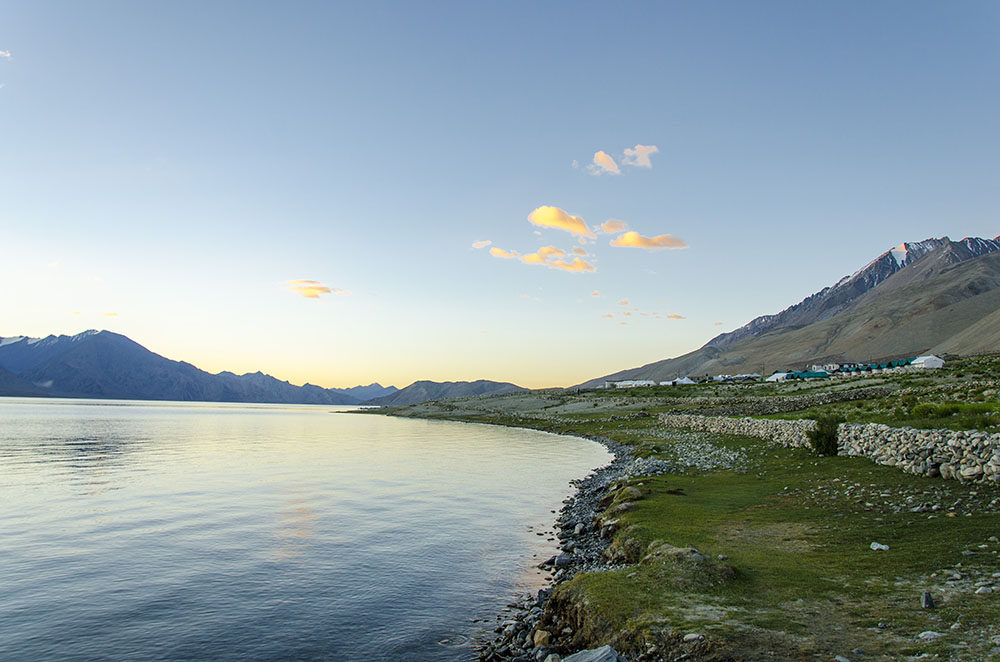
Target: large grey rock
[(602, 654)]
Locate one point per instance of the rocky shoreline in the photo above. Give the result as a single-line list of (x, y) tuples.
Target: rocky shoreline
[(583, 538)]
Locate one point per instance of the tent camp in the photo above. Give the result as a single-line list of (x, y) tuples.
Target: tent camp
[(927, 362)]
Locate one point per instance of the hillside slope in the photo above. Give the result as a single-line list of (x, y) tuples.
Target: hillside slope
[(935, 304)]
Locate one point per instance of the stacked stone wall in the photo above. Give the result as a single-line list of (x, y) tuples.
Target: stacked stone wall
[(780, 432), (964, 455), (961, 455)]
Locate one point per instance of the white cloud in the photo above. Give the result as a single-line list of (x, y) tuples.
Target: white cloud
[(5, 54), (481, 244), (638, 156), (603, 163)]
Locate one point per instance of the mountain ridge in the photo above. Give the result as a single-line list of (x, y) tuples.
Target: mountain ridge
[(109, 365), (930, 296)]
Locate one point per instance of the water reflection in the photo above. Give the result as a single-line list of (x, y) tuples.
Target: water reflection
[(167, 532)]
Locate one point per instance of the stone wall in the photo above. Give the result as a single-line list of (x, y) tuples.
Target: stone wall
[(780, 432), (962, 455)]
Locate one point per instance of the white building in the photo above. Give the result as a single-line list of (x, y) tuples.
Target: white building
[(927, 362), (678, 382), (777, 377), (630, 383)]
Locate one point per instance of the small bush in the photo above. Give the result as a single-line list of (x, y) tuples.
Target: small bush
[(824, 437)]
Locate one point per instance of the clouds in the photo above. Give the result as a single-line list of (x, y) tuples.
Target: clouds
[(546, 256), (635, 157), (636, 240), (5, 54), (312, 289), (501, 253), (481, 244), (613, 225), (603, 163), (553, 217), (638, 156)]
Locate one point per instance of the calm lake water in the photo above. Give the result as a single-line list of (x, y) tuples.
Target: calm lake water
[(177, 531)]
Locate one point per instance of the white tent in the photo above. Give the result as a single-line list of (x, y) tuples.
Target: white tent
[(927, 362), (678, 382), (777, 377)]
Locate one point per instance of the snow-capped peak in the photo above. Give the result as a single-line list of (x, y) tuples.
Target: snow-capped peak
[(85, 334), (13, 339), (899, 253)]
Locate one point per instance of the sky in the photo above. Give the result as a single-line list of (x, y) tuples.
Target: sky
[(535, 192)]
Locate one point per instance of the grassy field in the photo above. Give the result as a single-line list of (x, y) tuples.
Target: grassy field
[(784, 569)]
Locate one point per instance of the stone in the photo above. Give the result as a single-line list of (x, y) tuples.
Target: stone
[(553, 657), (693, 636), (984, 590), (542, 638), (927, 600), (879, 547), (578, 529), (840, 658), (602, 654), (929, 635), (564, 561)]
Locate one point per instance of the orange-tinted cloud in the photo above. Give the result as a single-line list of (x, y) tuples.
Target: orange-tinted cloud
[(623, 302), (533, 258), (550, 251), (603, 163), (553, 217), (595, 293), (718, 324), (672, 316), (499, 252), (576, 265), (608, 316), (636, 240), (639, 155), (110, 314), (481, 244), (613, 225), (580, 250), (312, 289)]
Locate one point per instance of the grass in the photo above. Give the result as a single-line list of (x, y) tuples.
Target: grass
[(788, 573)]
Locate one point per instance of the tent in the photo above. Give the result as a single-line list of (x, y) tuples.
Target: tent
[(927, 362)]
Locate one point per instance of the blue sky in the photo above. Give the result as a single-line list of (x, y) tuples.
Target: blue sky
[(166, 170)]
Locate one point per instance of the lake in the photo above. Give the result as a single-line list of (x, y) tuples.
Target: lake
[(182, 531)]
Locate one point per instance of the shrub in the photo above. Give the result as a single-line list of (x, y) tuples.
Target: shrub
[(824, 437)]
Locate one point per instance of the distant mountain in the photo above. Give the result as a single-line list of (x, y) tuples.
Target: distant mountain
[(11, 384), (101, 364), (362, 393), (937, 295), (423, 391)]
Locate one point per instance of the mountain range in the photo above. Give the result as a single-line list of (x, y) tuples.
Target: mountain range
[(102, 364), (932, 296)]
